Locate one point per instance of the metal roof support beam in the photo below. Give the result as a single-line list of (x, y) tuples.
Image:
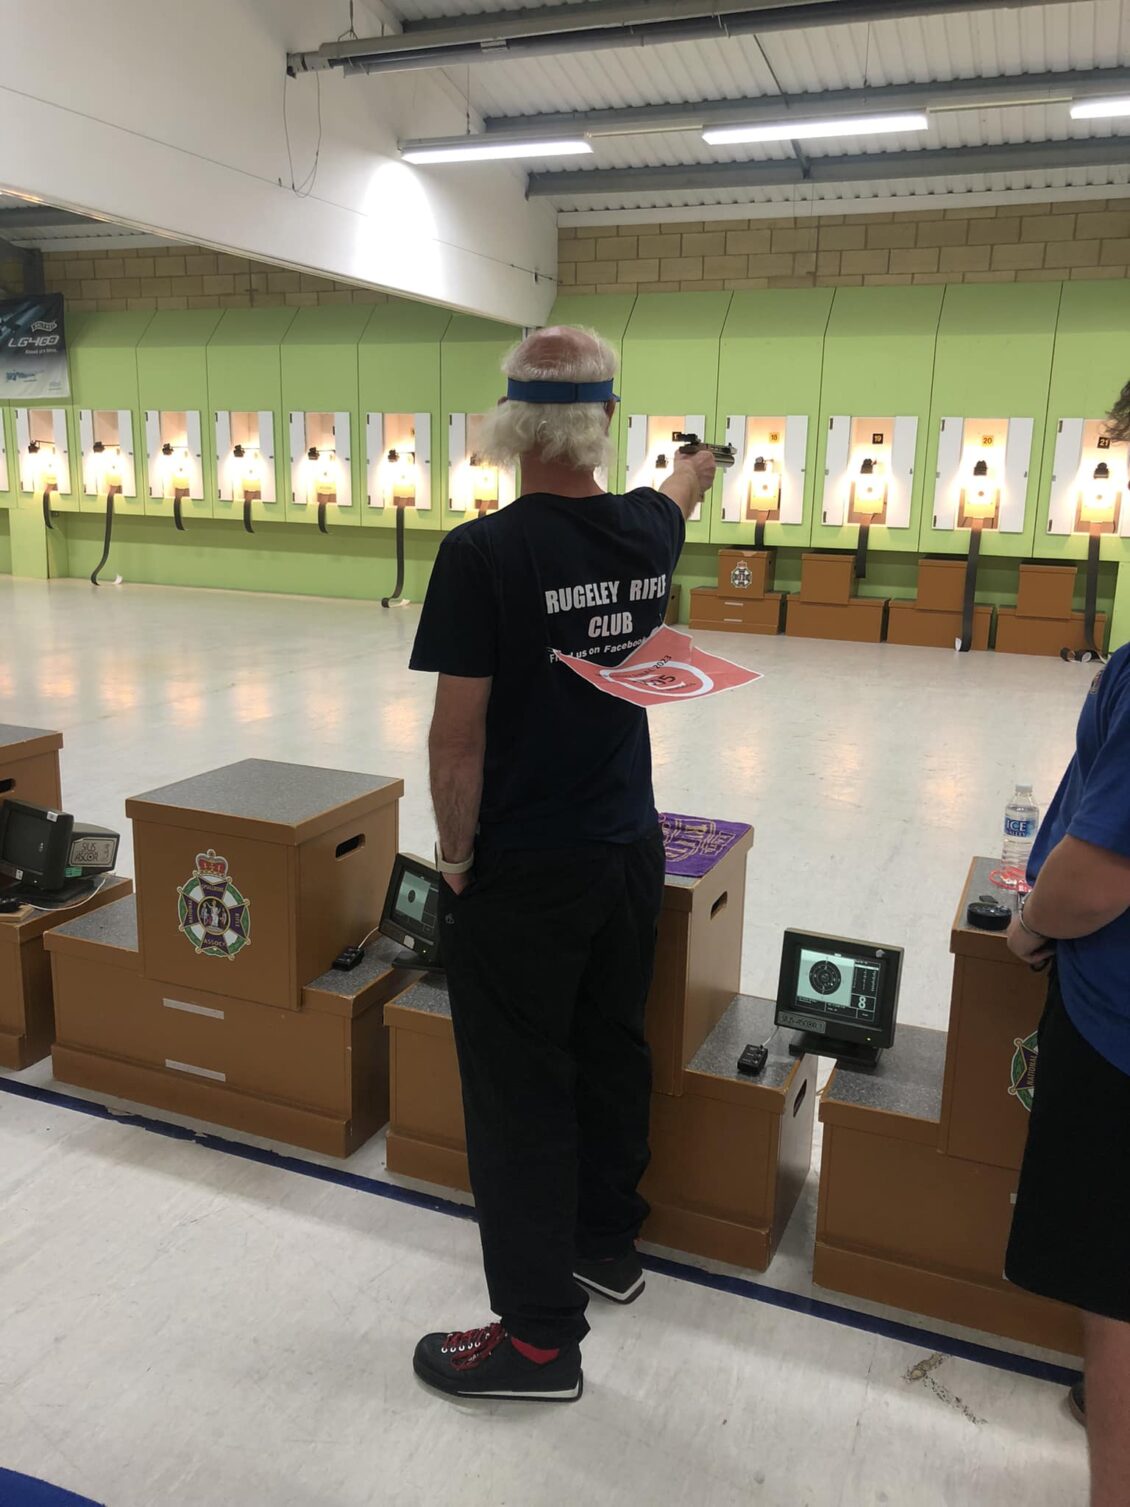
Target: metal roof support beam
[(593, 25), (35, 217), (949, 94), (869, 167)]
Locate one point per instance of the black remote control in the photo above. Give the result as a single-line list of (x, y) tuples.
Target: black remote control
[(753, 1060), (348, 959)]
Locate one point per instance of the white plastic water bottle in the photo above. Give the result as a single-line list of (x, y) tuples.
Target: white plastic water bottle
[(1021, 818)]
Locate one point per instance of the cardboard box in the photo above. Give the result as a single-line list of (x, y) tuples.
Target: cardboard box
[(1046, 591), (862, 620), (908, 623), (744, 572), (27, 1017), (715, 609), (941, 585), (698, 963), (1034, 635), (705, 1200), (921, 1157), (252, 878), (827, 580), (29, 765), (315, 1077)]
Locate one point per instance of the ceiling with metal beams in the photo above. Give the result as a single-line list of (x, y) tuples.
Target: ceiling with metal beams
[(978, 59)]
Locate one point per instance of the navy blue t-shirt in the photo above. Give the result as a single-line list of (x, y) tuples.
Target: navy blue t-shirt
[(565, 763), (1093, 804)]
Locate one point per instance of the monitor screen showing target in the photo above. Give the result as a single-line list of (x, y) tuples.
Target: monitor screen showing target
[(411, 909), (841, 993)]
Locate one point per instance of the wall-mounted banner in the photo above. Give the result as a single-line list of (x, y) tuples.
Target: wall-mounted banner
[(33, 348), (666, 667)]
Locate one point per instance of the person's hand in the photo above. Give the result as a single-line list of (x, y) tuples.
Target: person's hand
[(456, 883), (1025, 946), (700, 463)]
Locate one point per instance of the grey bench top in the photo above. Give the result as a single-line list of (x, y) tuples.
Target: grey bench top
[(11, 734), (378, 960), (748, 1020), (266, 791), (429, 996), (907, 1081), (113, 925)]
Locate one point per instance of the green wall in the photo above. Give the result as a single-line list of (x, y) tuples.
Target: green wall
[(1044, 352), (218, 553)]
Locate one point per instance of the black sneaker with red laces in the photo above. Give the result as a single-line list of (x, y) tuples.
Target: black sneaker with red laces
[(484, 1363)]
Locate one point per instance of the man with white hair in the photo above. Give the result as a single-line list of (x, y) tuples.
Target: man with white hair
[(552, 859)]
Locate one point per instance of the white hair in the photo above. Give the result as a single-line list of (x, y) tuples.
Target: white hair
[(575, 434)]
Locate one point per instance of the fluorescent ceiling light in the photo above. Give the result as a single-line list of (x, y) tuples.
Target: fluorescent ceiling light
[(1096, 109), (482, 149), (800, 130)]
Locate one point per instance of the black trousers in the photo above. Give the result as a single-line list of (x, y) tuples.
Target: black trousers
[(1071, 1226), (549, 959)]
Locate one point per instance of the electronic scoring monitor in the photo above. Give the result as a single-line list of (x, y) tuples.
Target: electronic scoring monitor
[(411, 910), (48, 854), (840, 995)]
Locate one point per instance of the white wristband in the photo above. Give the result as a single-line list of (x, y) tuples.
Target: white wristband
[(444, 866)]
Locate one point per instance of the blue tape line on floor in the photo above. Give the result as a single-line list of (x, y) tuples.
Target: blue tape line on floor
[(27, 1491), (741, 1287)]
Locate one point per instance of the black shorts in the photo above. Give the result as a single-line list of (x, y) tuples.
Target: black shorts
[(1071, 1227)]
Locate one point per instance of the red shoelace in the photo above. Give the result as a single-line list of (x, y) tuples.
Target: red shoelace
[(470, 1347)]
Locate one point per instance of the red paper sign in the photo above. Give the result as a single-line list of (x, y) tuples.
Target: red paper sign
[(666, 667)]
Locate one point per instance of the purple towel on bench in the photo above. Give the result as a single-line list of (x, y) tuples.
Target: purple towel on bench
[(694, 844)]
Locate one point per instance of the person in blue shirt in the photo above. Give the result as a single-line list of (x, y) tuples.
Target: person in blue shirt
[(1071, 1229)]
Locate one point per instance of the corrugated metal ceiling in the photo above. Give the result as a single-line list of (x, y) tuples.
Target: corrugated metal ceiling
[(1080, 35)]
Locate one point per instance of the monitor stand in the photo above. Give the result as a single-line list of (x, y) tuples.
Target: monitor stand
[(414, 960), (74, 891), (856, 1054)]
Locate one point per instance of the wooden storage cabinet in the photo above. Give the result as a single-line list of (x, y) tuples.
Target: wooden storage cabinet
[(921, 1158), (316, 1077), (296, 857), (712, 608), (29, 765), (27, 1010)]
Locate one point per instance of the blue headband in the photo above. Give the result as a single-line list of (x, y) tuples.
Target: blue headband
[(560, 392)]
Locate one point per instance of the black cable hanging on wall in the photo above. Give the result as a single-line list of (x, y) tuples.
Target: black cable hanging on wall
[(107, 539), (397, 590), (969, 594), (1091, 650)]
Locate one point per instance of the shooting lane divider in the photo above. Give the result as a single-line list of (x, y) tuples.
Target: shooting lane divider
[(1091, 651), (969, 595), (395, 595)]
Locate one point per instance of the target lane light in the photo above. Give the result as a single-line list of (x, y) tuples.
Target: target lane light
[(807, 130), (1100, 109), (484, 149)]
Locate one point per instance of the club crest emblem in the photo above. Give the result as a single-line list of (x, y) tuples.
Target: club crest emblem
[(741, 577), (214, 916), (1023, 1083)]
